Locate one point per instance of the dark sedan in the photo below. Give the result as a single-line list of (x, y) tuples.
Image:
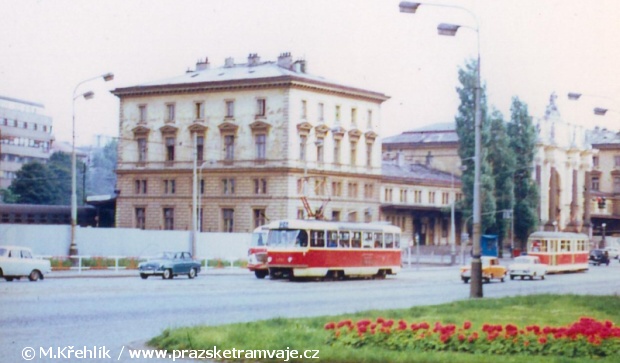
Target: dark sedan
[(170, 264), (599, 257)]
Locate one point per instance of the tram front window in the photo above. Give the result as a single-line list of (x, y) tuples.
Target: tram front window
[(287, 238)]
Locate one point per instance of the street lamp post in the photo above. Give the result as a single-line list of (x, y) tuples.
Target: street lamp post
[(603, 240), (87, 96), (450, 30)]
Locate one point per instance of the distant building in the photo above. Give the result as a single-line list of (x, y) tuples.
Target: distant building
[(25, 135), (265, 136)]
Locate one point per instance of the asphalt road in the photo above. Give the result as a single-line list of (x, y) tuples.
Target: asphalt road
[(123, 312)]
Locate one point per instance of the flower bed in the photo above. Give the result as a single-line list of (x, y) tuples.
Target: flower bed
[(586, 337)]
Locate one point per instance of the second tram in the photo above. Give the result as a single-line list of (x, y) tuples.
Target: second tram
[(561, 251)]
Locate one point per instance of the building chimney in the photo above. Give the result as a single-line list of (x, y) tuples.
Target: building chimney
[(253, 59), (229, 62), (202, 65), (285, 60), (300, 66)]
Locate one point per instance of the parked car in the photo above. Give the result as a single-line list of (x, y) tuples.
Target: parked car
[(170, 264), (599, 257), (491, 269), (17, 262), (613, 252), (527, 266)]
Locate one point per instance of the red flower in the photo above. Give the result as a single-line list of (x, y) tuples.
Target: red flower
[(467, 325), (461, 337), (330, 326), (542, 340)]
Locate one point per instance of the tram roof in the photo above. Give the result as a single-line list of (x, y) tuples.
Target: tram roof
[(319, 224), (548, 234)]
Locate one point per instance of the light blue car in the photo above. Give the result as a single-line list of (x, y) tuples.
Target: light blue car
[(170, 264)]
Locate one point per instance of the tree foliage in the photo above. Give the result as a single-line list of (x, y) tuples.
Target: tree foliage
[(101, 175), (465, 129), (522, 134)]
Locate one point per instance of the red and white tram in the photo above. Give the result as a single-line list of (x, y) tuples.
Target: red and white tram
[(324, 249), (257, 253), (561, 251)]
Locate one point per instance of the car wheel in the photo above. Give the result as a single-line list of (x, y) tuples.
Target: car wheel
[(465, 280), (192, 273), (512, 277), (502, 279), (8, 279), (144, 276), (167, 274), (34, 275), (486, 280), (522, 277), (261, 274), (542, 277)]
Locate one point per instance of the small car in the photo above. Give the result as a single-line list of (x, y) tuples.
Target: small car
[(613, 252), (527, 266), (17, 262), (170, 264), (599, 257), (491, 269)]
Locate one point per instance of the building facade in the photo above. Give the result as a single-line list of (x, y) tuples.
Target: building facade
[(25, 135), (268, 138)]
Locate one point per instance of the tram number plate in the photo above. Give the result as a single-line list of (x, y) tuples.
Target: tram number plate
[(366, 260)]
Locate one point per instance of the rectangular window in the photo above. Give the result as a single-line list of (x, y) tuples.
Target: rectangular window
[(228, 186), (200, 148), (228, 219), (261, 146), (616, 184), (388, 194), (142, 110), (595, 183), (336, 215), (304, 109), (337, 151), (321, 112), (353, 153), (352, 190), (140, 218), (140, 186), (595, 161), (403, 196), (260, 107), (368, 154), (303, 142), (259, 217), (417, 196), (202, 186), (141, 149), (445, 198), (319, 150), (354, 118), (369, 120), (617, 160), (319, 187), (260, 186), (170, 148), (337, 114), (336, 189), (431, 197), (200, 110), (168, 219), (368, 191), (230, 108), (229, 147), (170, 112), (169, 186)]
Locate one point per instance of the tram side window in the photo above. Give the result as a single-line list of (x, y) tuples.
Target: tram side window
[(378, 240), (389, 240), (302, 239), (317, 238), (332, 239), (580, 245), (343, 240), (367, 243), (565, 246), (397, 240), (356, 239)]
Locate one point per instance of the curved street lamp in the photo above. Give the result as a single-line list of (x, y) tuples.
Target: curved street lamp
[(87, 96), (451, 30)]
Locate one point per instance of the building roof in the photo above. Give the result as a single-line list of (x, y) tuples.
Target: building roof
[(602, 136), (436, 133), (418, 173), (255, 74)]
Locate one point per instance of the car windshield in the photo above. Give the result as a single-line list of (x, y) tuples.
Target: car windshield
[(259, 239), (164, 256), (3, 251), (522, 259)]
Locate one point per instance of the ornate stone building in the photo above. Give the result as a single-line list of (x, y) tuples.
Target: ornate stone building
[(265, 135)]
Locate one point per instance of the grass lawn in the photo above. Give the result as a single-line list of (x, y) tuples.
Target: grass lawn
[(309, 333)]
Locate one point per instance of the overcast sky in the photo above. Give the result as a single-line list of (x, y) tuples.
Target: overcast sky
[(529, 49)]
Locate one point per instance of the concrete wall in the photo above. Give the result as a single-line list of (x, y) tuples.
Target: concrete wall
[(54, 240)]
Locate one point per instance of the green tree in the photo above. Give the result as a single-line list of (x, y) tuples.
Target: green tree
[(465, 129), (522, 143), (503, 161), (32, 184)]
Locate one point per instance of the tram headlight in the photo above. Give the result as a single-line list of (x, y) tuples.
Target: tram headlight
[(290, 259), (269, 259)]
